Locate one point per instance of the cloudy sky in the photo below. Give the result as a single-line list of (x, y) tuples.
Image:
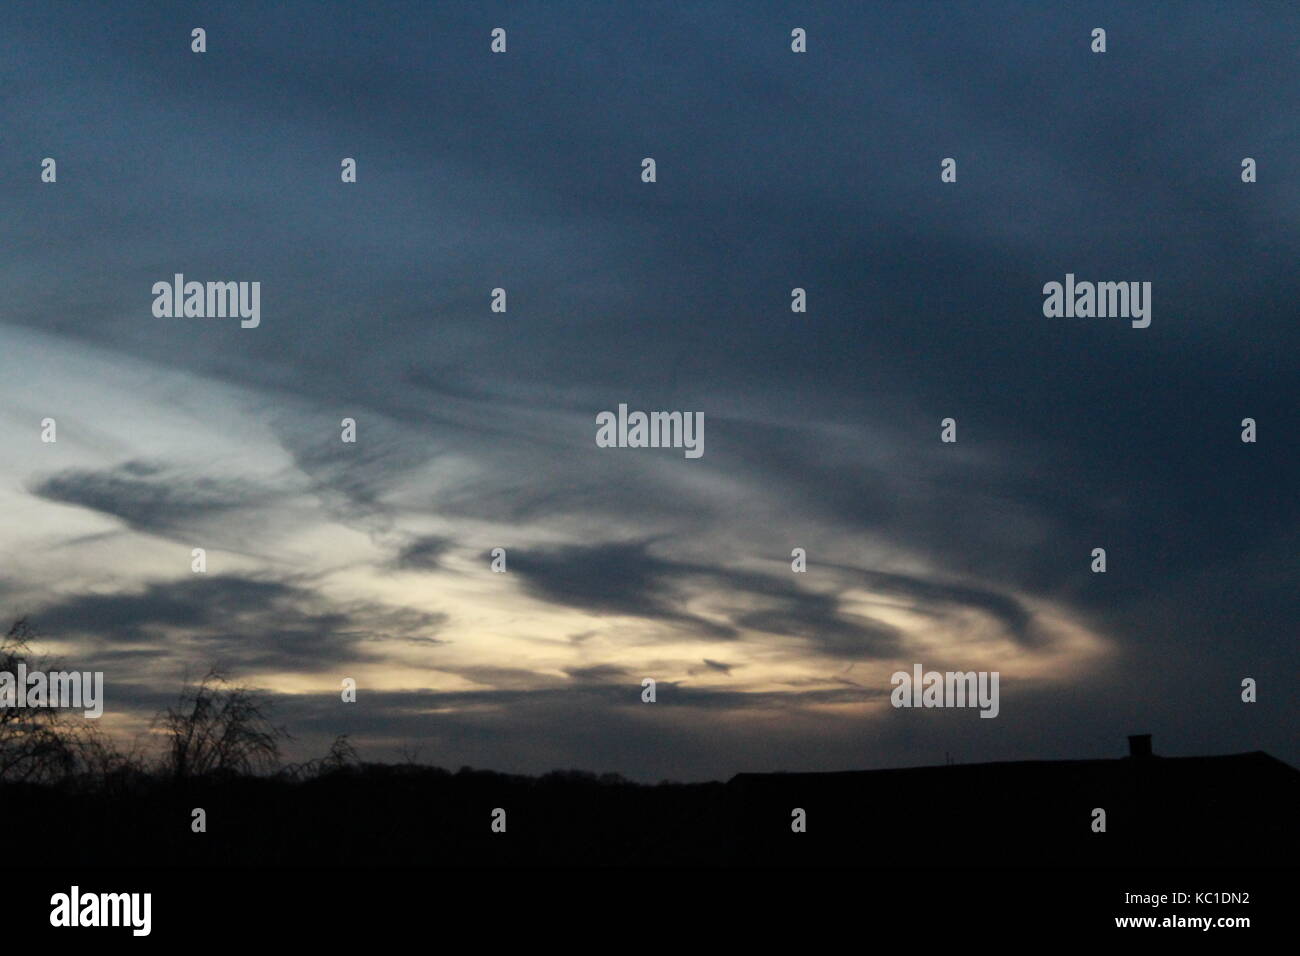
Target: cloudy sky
[(476, 429)]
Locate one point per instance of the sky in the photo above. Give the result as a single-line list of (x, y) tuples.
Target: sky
[(476, 429)]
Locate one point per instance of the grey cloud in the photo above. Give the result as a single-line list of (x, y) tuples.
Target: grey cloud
[(625, 578), (423, 554), (621, 579), (239, 623), (149, 498), (597, 674)]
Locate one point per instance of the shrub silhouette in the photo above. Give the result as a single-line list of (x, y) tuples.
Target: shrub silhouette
[(219, 729), (31, 745)]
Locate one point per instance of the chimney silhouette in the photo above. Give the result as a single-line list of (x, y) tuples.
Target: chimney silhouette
[(1139, 746)]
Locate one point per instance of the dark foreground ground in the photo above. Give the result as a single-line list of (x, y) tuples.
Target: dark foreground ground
[(1168, 812)]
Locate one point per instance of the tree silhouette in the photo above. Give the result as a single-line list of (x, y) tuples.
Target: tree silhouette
[(217, 728), (33, 744)]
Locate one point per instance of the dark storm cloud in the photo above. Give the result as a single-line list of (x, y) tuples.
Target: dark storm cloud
[(149, 498), (615, 578), (817, 619), (241, 624), (624, 578), (936, 596)]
